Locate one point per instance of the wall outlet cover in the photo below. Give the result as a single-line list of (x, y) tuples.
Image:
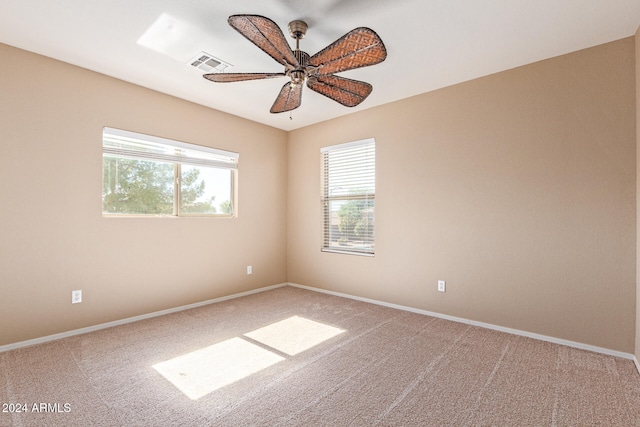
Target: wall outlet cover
[(76, 297)]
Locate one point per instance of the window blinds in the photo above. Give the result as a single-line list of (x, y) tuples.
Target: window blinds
[(348, 197), (131, 145)]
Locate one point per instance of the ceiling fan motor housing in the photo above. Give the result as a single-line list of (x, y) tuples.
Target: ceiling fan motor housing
[(299, 74), (302, 57)]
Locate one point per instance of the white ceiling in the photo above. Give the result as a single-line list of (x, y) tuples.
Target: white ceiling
[(430, 44)]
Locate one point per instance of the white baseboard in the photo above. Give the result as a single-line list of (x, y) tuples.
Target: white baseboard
[(133, 319), (339, 294), (554, 340)]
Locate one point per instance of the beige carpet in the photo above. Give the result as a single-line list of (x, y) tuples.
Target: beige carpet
[(290, 357)]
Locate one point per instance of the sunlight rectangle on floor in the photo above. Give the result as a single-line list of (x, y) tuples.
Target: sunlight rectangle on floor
[(294, 334), (200, 372)]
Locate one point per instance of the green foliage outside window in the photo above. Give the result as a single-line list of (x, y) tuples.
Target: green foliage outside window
[(356, 220), (147, 187)]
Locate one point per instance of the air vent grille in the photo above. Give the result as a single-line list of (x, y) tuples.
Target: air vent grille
[(208, 63)]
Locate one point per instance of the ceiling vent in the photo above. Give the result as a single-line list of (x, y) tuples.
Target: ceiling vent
[(208, 63)]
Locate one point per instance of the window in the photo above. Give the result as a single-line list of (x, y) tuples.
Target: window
[(348, 197), (146, 175)]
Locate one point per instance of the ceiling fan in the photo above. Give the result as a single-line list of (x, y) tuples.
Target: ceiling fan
[(360, 47)]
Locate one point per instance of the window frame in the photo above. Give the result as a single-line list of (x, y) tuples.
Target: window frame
[(138, 146), (366, 165)]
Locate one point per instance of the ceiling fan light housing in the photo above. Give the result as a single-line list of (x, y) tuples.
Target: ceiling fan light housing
[(298, 77)]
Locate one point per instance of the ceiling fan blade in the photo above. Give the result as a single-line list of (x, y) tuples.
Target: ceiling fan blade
[(239, 77), (345, 91), (288, 99), (265, 34), (358, 48)]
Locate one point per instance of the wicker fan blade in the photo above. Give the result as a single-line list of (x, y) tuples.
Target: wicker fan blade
[(239, 77), (288, 99), (342, 90), (358, 48), (265, 34)]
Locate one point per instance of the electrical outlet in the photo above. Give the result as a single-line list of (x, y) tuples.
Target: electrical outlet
[(76, 297), (249, 269), (442, 286)]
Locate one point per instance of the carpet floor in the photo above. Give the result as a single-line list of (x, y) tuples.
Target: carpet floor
[(292, 357)]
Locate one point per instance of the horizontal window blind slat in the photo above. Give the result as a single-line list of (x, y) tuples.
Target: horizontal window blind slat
[(364, 196)]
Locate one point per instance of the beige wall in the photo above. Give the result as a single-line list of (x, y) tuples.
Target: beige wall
[(637, 92), (53, 236), (518, 189)]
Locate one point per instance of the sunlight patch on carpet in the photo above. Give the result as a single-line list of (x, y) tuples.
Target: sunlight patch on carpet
[(200, 372), (294, 335), (203, 371)]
